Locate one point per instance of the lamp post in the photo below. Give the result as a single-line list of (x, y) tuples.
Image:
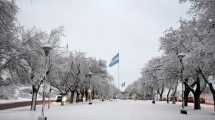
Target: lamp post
[(89, 75), (46, 50), (212, 25), (180, 57)]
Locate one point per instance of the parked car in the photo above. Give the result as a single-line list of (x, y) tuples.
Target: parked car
[(59, 98)]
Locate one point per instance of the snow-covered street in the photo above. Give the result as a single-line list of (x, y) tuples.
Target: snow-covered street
[(115, 110)]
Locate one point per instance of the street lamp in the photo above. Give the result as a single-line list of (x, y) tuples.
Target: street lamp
[(46, 50), (88, 76), (212, 25), (180, 57)]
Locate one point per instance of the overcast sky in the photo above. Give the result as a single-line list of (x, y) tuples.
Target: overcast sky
[(102, 27)]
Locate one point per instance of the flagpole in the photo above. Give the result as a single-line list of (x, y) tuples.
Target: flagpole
[(118, 75), (114, 61)]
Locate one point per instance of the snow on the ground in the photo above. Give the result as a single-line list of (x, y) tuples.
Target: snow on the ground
[(111, 110), (18, 93), (13, 100)]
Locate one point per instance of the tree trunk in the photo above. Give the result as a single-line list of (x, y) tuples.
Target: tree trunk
[(161, 94), (187, 92), (197, 94), (167, 96), (71, 96), (173, 95), (34, 97), (197, 102), (186, 95), (86, 94)]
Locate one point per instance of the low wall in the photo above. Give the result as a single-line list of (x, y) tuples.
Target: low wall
[(4, 106)]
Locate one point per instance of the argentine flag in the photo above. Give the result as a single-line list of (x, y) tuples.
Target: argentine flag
[(114, 60)]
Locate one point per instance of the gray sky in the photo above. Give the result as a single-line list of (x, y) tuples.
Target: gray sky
[(102, 27)]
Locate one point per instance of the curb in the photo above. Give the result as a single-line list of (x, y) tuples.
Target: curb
[(4, 106)]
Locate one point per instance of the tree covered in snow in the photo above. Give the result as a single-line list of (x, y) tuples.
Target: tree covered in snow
[(23, 58), (69, 75), (195, 39)]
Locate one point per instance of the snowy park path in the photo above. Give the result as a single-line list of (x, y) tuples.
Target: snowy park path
[(115, 110)]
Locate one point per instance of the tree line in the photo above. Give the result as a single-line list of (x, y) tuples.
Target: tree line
[(195, 39), (22, 56)]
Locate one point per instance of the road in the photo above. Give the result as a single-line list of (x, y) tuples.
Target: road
[(115, 110)]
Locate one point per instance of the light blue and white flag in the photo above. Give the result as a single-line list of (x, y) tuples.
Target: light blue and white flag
[(114, 60)]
